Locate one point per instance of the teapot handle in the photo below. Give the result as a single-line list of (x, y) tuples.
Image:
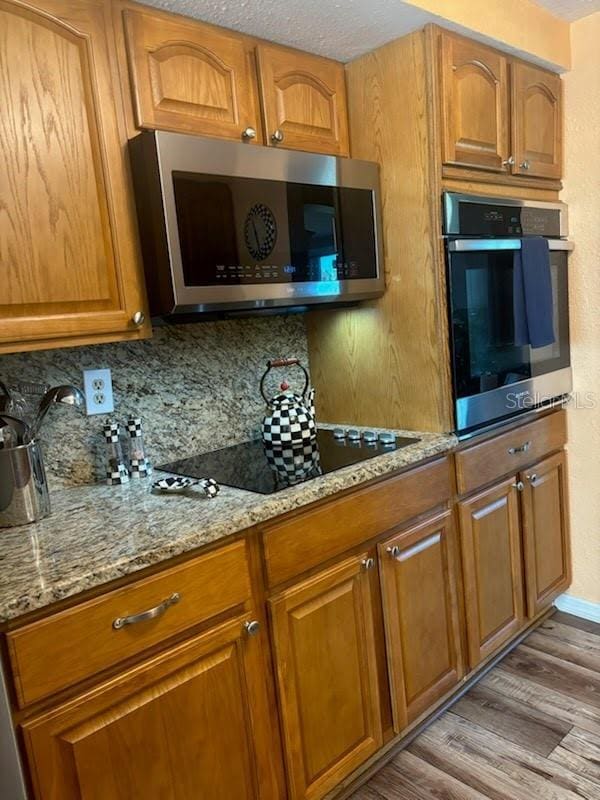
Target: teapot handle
[(282, 362)]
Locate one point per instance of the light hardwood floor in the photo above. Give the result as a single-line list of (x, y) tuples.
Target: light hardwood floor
[(529, 730)]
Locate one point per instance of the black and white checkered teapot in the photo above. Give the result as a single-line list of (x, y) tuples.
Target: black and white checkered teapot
[(290, 419)]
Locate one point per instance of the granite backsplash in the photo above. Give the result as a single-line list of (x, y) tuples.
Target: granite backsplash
[(195, 386)]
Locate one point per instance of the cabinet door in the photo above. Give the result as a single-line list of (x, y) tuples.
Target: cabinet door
[(536, 121), (546, 532), (181, 726), (327, 675), (190, 77), (418, 575), (474, 104), (68, 248), (304, 100), (492, 569)]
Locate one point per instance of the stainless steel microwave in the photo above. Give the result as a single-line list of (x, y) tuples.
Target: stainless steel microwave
[(228, 226)]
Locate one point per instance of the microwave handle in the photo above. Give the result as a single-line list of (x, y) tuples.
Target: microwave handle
[(334, 234), (477, 245)]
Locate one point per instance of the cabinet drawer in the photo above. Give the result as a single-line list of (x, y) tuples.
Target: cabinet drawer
[(71, 645), (509, 452), (312, 538)]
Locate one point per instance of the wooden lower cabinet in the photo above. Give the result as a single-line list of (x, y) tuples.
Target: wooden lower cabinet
[(492, 569), (545, 532), (190, 723), (419, 584), (323, 631)]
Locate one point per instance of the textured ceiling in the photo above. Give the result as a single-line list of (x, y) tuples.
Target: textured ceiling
[(340, 29), (570, 9)]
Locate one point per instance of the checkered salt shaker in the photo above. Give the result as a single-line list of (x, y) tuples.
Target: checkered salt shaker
[(139, 466), (116, 469)]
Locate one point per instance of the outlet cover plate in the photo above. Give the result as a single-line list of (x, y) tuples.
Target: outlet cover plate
[(97, 385)]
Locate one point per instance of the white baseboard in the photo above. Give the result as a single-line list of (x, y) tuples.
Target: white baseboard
[(577, 607)]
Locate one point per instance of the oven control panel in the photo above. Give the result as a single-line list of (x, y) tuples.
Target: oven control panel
[(479, 216)]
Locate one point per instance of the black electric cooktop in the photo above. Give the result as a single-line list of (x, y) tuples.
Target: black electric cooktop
[(249, 466)]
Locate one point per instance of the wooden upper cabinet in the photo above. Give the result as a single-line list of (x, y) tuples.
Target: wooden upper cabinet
[(68, 248), (492, 569), (419, 586), (323, 631), (536, 121), (546, 532), (190, 77), (304, 100), (183, 725), (474, 104)]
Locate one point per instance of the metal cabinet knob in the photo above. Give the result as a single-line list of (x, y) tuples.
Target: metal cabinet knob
[(138, 318), (394, 551), (509, 162), (277, 136), (368, 563), (524, 164), (252, 628), (249, 133), (519, 486), (532, 478)]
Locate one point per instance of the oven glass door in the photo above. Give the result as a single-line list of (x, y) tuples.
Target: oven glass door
[(484, 354)]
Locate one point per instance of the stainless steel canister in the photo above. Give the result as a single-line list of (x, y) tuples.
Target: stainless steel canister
[(24, 493)]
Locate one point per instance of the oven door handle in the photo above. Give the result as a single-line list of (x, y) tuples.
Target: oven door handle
[(492, 245)]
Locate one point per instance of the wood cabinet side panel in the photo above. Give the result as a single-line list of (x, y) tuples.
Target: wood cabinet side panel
[(369, 363)]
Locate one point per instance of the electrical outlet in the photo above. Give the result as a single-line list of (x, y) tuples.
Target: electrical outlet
[(97, 384)]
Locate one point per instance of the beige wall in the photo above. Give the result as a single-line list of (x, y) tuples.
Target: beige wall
[(582, 193), (520, 24)]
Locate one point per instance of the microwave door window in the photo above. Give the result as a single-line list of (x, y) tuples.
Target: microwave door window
[(235, 230)]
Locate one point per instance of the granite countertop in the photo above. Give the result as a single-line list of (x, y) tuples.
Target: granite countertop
[(98, 533)]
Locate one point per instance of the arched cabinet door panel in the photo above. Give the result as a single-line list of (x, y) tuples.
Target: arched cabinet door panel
[(190, 77), (304, 101), (68, 248), (474, 104), (536, 121)]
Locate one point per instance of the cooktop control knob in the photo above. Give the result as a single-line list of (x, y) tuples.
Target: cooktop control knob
[(370, 437), (353, 435), (387, 439), (339, 433)]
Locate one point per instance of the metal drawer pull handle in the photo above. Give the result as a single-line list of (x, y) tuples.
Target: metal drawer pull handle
[(522, 449), (367, 563), (519, 486), (152, 613), (394, 551)]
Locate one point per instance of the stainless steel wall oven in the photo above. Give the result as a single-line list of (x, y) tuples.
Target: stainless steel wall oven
[(494, 374)]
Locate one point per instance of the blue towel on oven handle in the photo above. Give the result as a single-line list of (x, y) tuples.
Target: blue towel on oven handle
[(532, 294)]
